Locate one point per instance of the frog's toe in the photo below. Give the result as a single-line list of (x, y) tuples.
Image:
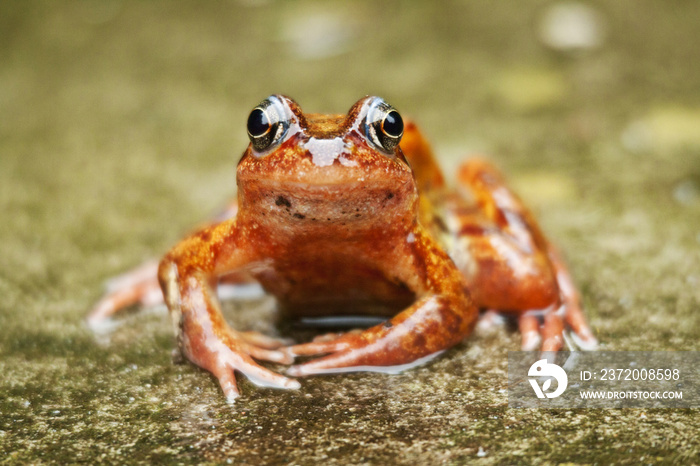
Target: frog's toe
[(320, 346), (585, 340), (254, 372), (548, 337), (326, 343), (326, 365), (366, 359), (224, 357), (582, 335), (370, 351), (263, 341), (530, 331), (552, 332), (326, 337), (350, 352), (265, 378), (490, 321), (531, 341), (281, 356), (227, 380)]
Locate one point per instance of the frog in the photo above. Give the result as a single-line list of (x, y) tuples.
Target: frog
[(347, 215)]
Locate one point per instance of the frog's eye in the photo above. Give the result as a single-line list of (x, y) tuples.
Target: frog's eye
[(383, 125), (268, 123)]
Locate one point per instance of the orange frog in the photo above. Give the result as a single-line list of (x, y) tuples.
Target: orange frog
[(349, 215)]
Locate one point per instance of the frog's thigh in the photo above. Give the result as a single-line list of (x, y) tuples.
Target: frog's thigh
[(499, 247), (509, 264), (503, 276), (419, 154)]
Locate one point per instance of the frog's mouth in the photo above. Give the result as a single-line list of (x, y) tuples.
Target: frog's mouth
[(295, 204)]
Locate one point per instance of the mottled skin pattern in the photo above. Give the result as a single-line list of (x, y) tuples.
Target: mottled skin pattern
[(330, 222)]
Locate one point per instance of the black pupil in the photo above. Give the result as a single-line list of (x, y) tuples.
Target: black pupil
[(258, 124), (393, 124)]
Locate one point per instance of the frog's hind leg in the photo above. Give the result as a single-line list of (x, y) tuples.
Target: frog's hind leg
[(497, 245), (420, 156), (573, 315), (513, 267), (138, 286)]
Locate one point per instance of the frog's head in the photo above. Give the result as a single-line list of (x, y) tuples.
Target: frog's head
[(302, 170)]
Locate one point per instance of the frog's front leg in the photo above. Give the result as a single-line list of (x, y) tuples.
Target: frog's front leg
[(187, 275), (139, 285), (440, 318)]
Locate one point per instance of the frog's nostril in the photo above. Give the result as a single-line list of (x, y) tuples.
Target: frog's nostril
[(325, 151)]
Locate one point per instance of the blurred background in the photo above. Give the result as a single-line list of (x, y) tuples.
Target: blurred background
[(121, 123)]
